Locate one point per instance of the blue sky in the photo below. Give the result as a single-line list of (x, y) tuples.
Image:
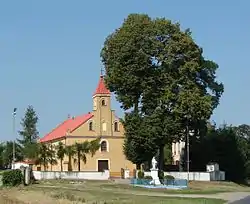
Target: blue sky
[(50, 53)]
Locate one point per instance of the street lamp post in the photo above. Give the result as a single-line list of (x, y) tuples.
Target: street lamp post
[(189, 133), (14, 134)]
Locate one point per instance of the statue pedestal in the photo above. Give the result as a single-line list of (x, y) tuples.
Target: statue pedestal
[(154, 175)]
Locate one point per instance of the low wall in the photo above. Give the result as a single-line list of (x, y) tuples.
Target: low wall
[(88, 175), (196, 176), (193, 176)]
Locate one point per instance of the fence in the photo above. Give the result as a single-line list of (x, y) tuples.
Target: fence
[(196, 176), (88, 175), (166, 182)]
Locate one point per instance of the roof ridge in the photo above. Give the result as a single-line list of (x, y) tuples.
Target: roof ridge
[(91, 115), (69, 124)]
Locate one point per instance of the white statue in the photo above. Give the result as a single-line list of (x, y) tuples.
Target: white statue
[(154, 173), (154, 163)]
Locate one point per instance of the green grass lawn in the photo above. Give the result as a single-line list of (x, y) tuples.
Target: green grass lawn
[(92, 192), (109, 192), (195, 187), (34, 195)]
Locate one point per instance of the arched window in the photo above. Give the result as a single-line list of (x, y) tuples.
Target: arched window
[(103, 102), (103, 146), (116, 126), (91, 126)]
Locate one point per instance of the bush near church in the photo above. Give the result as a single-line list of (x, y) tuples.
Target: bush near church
[(12, 177), (140, 174), (148, 178), (168, 177)]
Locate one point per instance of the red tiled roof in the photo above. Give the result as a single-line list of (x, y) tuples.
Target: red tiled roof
[(101, 88), (68, 125), (25, 162)]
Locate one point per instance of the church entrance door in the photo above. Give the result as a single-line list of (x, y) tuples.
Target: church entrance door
[(103, 165)]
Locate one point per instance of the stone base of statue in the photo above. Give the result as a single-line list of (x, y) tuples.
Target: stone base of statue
[(154, 175)]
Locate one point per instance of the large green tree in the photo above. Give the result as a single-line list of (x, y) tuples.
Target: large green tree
[(223, 146), (29, 133), (158, 71), (243, 137)]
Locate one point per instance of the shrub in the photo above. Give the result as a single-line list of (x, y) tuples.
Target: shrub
[(12, 177), (168, 177), (140, 174), (148, 178), (161, 174)]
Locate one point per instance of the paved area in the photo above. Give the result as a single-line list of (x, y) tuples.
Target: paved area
[(242, 201)]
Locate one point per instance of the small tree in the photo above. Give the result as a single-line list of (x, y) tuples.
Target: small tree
[(60, 153), (7, 153), (52, 156), (82, 149), (43, 155), (29, 132), (70, 152), (94, 146)]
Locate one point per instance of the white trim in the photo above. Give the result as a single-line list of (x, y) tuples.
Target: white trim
[(90, 120), (104, 140), (102, 160)]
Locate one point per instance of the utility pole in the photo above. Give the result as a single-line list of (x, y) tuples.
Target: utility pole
[(189, 133), (14, 134)]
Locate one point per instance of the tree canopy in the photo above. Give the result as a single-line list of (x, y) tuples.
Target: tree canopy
[(158, 71)]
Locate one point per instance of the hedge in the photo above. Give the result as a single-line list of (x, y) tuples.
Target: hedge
[(12, 177)]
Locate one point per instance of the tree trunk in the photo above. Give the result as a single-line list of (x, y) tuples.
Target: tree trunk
[(69, 164), (79, 161), (161, 158), (44, 164), (61, 165)]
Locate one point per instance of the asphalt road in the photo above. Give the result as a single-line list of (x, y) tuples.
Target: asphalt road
[(242, 201)]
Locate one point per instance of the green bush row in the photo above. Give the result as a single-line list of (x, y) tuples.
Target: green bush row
[(160, 175)]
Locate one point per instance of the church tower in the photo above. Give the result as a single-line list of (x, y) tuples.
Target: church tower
[(102, 109)]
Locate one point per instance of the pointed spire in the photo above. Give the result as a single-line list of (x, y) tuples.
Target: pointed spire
[(101, 87)]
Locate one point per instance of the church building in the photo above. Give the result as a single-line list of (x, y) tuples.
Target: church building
[(100, 122)]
